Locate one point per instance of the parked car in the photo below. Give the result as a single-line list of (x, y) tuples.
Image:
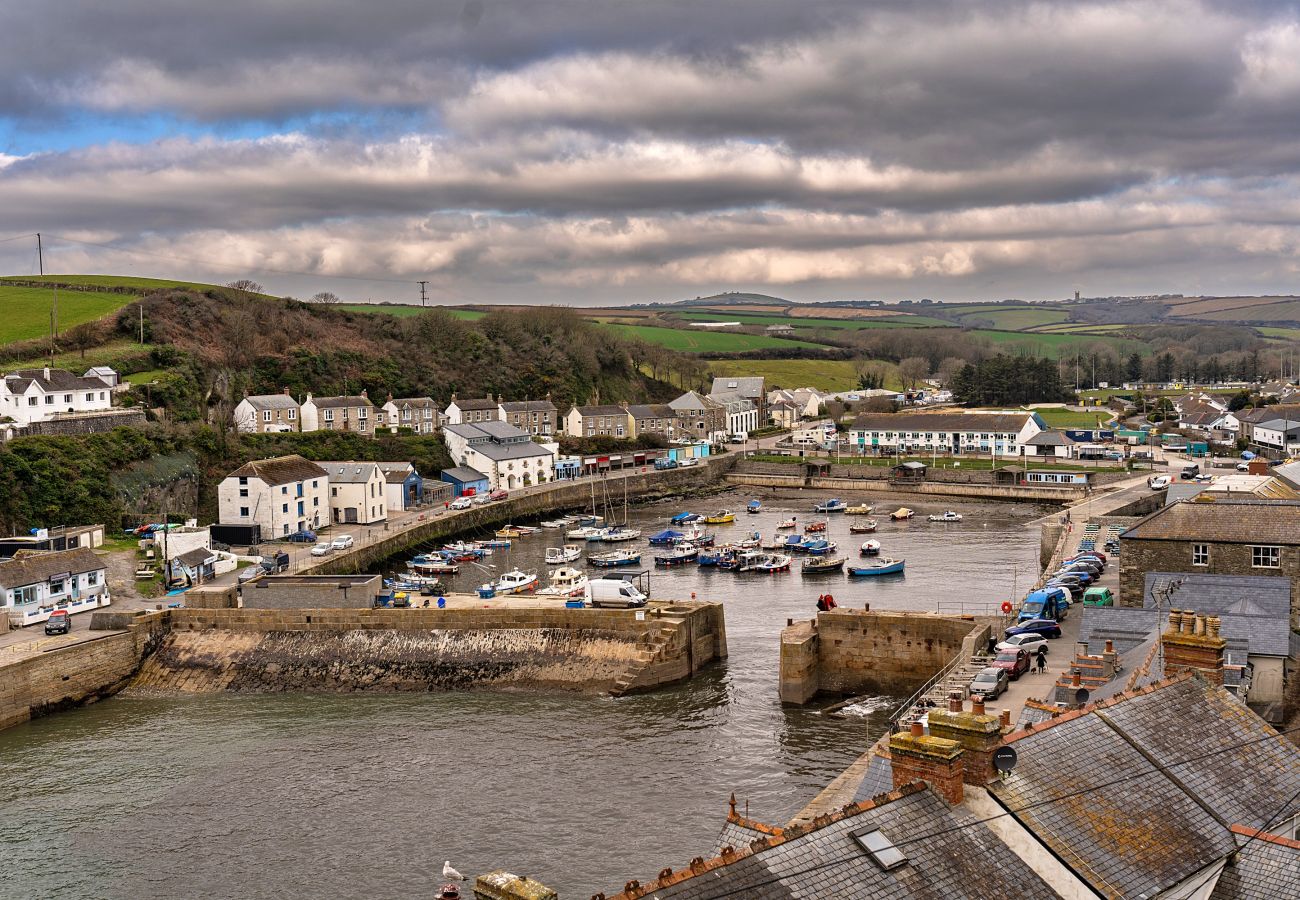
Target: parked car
[(1048, 628), (990, 683), (248, 573), (480, 499), (1098, 596), (322, 550), (1027, 642), (59, 622), (665, 463), (342, 542), (275, 562), (1090, 556), (307, 536), (462, 503), (1016, 662), (1075, 588), (687, 462), (499, 494), (1243, 467)]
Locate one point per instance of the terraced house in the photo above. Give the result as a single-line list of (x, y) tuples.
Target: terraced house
[(472, 410), (653, 418), (35, 395), (420, 414), (267, 413), (352, 414), (608, 420), (283, 495), (537, 417), (944, 433)]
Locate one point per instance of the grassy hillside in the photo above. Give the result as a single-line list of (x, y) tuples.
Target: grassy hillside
[(811, 323), (704, 341), (823, 374), (27, 310), (1018, 318)]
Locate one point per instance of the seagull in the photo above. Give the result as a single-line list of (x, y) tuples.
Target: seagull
[(449, 872)]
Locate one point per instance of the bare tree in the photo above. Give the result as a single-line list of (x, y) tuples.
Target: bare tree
[(245, 284), (325, 297), (871, 373), (949, 366), (912, 370)]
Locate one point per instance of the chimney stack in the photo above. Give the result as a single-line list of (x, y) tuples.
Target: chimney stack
[(1193, 643), (1005, 718), (975, 732), (47, 373), (934, 760)]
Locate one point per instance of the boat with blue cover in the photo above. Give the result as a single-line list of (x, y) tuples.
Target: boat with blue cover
[(678, 556), (831, 506), (615, 558), (754, 507), (665, 537), (881, 566), (683, 518)]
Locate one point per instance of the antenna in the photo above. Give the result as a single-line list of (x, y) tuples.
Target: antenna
[(423, 296)]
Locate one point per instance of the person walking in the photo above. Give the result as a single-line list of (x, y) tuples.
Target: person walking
[(1042, 658)]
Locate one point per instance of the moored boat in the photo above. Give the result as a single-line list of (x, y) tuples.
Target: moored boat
[(861, 509), (773, 562), (870, 548), (788, 523), (683, 518), (567, 553), (902, 513), (515, 582), (881, 566), (582, 532), (817, 547), (866, 526), (947, 516), (754, 507), (665, 537), (432, 564), (613, 558), (677, 556), (814, 527), (721, 517), (554, 523), (831, 506), (497, 543), (749, 560), (509, 531), (619, 534), (821, 564), (565, 582)]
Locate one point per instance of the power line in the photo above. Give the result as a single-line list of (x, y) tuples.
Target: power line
[(1070, 796)]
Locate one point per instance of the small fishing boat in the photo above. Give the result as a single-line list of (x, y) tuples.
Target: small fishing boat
[(699, 540), (870, 548), (463, 552), (515, 582), (822, 564), (565, 582), (754, 507), (818, 547), (881, 566), (793, 542), (557, 555), (555, 523), (814, 527), (947, 516), (432, 564), (750, 560), (620, 533), (678, 556), (582, 532), (665, 537), (750, 543), (713, 558), (497, 543), (788, 523), (861, 509), (509, 532), (595, 535), (773, 562), (902, 513), (413, 581), (831, 506), (867, 526), (721, 517), (683, 518), (614, 558)]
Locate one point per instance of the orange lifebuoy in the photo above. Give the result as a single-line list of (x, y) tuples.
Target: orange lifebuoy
[(1006, 606)]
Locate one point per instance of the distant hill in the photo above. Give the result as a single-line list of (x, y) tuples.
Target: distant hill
[(736, 298)]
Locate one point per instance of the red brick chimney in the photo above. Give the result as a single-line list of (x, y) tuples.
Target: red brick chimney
[(1193, 642), (977, 733), (916, 756)]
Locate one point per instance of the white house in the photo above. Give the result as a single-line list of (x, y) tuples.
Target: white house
[(1001, 433), (283, 494), (420, 414), (355, 414), (751, 388), (505, 454), (1269, 434), (35, 395), (267, 413), (742, 413), (404, 488), (32, 587), (1049, 444), (358, 492), (472, 411)]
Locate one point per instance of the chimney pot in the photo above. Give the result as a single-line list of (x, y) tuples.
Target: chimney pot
[(1006, 718), (363, 393), (1110, 646), (977, 705), (1076, 680), (918, 730), (1212, 624), (1200, 625), (286, 389), (954, 701)]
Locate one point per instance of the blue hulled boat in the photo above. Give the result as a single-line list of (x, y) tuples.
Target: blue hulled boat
[(665, 537), (754, 507), (882, 566), (683, 518)]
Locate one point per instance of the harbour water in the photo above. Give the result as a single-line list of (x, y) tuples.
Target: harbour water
[(351, 796)]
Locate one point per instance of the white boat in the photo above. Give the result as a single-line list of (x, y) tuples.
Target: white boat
[(413, 577), (788, 523), (557, 555), (618, 534), (515, 582), (554, 523), (565, 582), (584, 533), (773, 562), (870, 548), (947, 516)]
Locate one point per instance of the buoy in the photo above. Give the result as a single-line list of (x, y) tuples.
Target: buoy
[(1006, 606), (829, 599)]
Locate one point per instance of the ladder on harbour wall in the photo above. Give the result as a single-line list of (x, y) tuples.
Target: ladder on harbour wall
[(956, 676)]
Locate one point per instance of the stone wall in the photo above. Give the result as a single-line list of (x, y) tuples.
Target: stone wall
[(859, 652), (312, 591), (89, 423)]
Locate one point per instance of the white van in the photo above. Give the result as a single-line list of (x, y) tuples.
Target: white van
[(613, 592)]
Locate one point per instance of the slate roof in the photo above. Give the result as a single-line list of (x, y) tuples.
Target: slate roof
[(279, 470), (528, 406), (879, 778), (1267, 867), (416, 402), (935, 421), (502, 431), (59, 380), (464, 474), (396, 472), (349, 471), (1179, 491), (750, 387), (192, 559), (271, 401), (475, 403), (1127, 626), (692, 400), (37, 568), (1290, 426), (1050, 439), (338, 402), (641, 411), (500, 452), (824, 860), (1214, 595), (1229, 521), (605, 409)]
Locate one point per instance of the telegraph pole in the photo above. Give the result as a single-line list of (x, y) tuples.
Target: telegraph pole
[(40, 253), (423, 296)]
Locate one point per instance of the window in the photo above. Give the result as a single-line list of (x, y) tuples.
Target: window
[(881, 849), (293, 414), (56, 586), (362, 412), (1265, 557), (243, 512), (1200, 554), (284, 508), (29, 594), (92, 579), (329, 415), (67, 398), (266, 415), (101, 395), (243, 480), (284, 489), (243, 492), (90, 398), (49, 400), (315, 501), (334, 492), (31, 401)]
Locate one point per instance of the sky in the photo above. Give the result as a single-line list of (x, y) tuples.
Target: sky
[(616, 151)]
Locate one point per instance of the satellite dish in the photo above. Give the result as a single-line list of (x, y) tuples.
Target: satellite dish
[(1081, 696), (1004, 759)]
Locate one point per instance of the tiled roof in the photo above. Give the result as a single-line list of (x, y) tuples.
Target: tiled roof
[(464, 474), (279, 470), (949, 854), (1264, 413), (1214, 595), (339, 402), (417, 402), (349, 471), (272, 401), (1224, 521), (38, 568), (59, 380), (528, 406), (1267, 867), (606, 409), (1105, 811), (963, 422), (748, 386), (474, 403), (192, 559), (652, 411)]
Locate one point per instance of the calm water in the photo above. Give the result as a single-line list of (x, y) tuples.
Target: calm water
[(306, 796)]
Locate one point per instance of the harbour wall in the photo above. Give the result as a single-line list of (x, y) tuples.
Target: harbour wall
[(648, 485), (850, 651), (974, 490), (392, 650)]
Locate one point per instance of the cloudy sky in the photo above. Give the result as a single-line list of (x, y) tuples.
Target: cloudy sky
[(591, 151)]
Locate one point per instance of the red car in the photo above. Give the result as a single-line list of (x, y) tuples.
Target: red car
[(1016, 662), (498, 495)]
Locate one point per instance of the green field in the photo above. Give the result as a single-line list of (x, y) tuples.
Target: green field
[(1287, 334), (131, 281), (1082, 328), (796, 322), (147, 377), (704, 341), (27, 310), (823, 374), (1073, 418), (405, 312), (1018, 318), (1056, 346)]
